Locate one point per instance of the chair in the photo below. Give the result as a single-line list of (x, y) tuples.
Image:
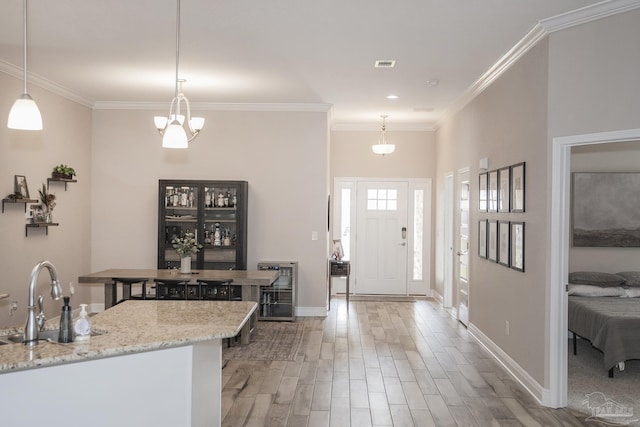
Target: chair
[(216, 289), (171, 289), (127, 286)]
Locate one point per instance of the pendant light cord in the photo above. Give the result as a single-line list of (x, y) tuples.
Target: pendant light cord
[(24, 44), (177, 44)]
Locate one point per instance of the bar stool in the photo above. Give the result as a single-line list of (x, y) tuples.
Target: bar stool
[(127, 284), (216, 289), (171, 288)]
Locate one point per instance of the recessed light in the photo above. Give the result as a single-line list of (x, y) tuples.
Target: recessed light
[(433, 82), (392, 96)]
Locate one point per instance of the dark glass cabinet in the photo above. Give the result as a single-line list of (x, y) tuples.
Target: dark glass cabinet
[(214, 211)]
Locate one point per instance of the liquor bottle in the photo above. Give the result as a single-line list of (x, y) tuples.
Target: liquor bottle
[(220, 200), (191, 198), (207, 200), (217, 236)]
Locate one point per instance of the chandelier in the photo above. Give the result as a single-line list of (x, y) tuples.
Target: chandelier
[(382, 147)]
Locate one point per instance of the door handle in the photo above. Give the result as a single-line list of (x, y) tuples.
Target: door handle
[(461, 253), (403, 244)]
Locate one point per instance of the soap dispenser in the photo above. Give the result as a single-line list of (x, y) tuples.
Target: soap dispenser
[(83, 324), (66, 331)]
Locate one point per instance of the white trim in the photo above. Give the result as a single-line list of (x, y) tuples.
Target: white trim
[(587, 14), (515, 370), (558, 259), (395, 127), (214, 106), (311, 311)]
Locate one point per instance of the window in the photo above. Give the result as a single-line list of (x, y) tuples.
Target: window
[(418, 215), (381, 199), (345, 222)]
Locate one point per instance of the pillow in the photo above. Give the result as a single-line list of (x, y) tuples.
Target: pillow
[(632, 278), (595, 278), (595, 291), (631, 292)]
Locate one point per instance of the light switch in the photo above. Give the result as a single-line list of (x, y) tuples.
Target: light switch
[(314, 235)]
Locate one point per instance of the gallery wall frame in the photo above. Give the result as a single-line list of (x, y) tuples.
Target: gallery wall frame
[(482, 238), (492, 241), (517, 246), (604, 209), (492, 196), (482, 191), (20, 186), (504, 189), (504, 243), (518, 187)]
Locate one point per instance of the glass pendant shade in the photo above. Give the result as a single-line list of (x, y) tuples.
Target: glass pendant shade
[(175, 136), (24, 114), (383, 148)]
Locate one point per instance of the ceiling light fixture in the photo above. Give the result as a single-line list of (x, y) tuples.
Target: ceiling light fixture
[(392, 96), (382, 147), (171, 128), (24, 114)]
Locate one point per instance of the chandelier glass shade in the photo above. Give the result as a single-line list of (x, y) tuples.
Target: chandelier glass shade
[(24, 114), (172, 127), (382, 147)]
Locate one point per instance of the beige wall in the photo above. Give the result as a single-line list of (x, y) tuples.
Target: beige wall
[(507, 124), (615, 157), (283, 156), (66, 138)]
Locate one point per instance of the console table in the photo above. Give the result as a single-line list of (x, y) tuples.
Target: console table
[(339, 269)]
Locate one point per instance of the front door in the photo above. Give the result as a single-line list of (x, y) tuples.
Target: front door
[(463, 247), (381, 238)]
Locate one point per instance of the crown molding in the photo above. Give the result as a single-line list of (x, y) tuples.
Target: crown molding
[(541, 30), (395, 127), (43, 83), (215, 106)]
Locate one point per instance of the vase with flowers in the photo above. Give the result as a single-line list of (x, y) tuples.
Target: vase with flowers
[(47, 203), (186, 246)]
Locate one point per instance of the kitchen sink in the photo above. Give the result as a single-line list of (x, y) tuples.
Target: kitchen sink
[(51, 334)]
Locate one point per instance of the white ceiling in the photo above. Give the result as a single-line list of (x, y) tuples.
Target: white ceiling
[(309, 53)]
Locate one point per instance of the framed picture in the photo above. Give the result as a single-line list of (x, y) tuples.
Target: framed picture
[(517, 246), (605, 209), (504, 185), (517, 187), (504, 243), (493, 241), (20, 186), (482, 195), (493, 191), (482, 238)]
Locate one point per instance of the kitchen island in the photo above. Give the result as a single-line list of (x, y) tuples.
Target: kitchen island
[(154, 363)]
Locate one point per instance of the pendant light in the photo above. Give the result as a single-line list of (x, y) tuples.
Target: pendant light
[(24, 114), (382, 147), (174, 135)]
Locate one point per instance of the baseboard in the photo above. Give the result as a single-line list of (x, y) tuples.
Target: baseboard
[(516, 371), (436, 296), (311, 311)]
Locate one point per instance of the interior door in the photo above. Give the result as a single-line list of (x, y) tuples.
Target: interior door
[(381, 238), (463, 247)]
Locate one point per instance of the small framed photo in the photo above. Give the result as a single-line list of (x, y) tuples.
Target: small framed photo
[(482, 238), (517, 246), (504, 185), (20, 186), (493, 191), (493, 241), (504, 243), (482, 195), (517, 187)]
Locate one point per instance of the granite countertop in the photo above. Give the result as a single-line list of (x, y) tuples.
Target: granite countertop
[(134, 327)]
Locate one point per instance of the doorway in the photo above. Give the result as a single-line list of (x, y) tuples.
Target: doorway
[(447, 298), (559, 232), (462, 269), (389, 247)]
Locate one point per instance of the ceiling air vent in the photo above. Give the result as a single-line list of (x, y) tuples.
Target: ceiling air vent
[(385, 63)]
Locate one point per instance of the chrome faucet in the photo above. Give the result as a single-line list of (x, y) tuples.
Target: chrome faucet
[(33, 325)]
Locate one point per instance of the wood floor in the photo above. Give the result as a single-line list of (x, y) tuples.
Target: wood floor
[(382, 364)]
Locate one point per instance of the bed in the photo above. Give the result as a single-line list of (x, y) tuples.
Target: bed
[(611, 323)]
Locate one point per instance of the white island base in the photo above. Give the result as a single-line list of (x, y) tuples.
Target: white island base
[(170, 387)]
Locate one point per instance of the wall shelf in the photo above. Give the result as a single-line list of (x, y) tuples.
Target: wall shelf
[(65, 180), (16, 201), (44, 225)]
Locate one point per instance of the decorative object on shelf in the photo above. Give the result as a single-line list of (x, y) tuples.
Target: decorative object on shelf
[(382, 147), (63, 172), (24, 114), (186, 246), (171, 127), (20, 188), (338, 251), (48, 202)]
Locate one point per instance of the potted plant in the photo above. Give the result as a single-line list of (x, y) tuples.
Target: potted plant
[(63, 172), (186, 246), (47, 203)]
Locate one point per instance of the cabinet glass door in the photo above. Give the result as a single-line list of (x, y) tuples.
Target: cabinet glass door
[(181, 217), (220, 233)]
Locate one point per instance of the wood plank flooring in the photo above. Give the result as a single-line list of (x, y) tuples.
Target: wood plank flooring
[(382, 364)]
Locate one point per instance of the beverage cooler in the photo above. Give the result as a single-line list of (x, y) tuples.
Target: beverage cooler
[(278, 301)]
